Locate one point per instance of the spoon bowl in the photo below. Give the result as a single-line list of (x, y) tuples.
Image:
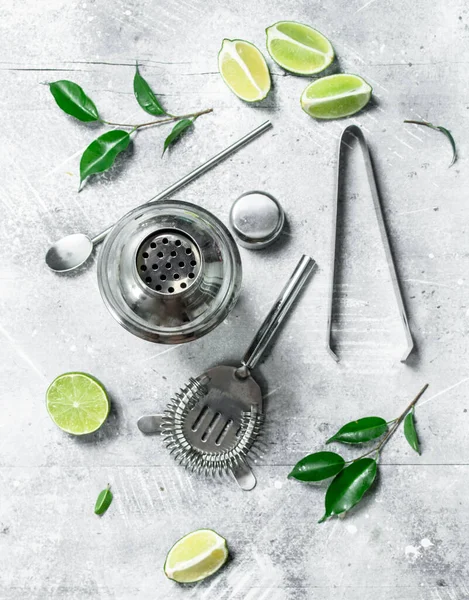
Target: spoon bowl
[(69, 253)]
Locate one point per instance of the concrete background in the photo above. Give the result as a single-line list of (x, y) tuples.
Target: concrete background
[(409, 539)]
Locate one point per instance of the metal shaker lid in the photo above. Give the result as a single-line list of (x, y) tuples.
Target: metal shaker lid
[(257, 219)]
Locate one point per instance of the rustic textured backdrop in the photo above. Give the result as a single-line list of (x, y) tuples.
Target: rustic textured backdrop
[(409, 539)]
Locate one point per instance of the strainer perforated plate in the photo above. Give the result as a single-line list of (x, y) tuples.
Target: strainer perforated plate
[(168, 261)]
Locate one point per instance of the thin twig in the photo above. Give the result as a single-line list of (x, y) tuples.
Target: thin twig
[(416, 122), (398, 421), (161, 121)]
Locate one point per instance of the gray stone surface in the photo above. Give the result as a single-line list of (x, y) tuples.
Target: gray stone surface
[(409, 539)]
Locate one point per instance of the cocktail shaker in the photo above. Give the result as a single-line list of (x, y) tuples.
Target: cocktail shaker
[(169, 272)]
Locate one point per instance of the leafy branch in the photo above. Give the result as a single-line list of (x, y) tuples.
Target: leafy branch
[(351, 482), (103, 151)]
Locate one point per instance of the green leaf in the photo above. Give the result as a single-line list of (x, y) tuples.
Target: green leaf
[(410, 432), (318, 466), (101, 154), (362, 430), (176, 132), (103, 502), (73, 100), (444, 131), (448, 134), (348, 487), (145, 96)]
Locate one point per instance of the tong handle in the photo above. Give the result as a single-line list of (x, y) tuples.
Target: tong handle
[(276, 315)]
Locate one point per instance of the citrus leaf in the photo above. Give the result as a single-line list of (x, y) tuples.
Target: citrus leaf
[(72, 99), (444, 131), (410, 432), (145, 96), (103, 502), (362, 430), (450, 137), (101, 154), (318, 466), (176, 132), (348, 487)]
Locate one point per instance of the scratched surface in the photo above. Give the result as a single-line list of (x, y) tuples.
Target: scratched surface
[(409, 539)]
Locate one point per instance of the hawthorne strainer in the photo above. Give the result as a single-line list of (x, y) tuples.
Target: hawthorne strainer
[(213, 422)]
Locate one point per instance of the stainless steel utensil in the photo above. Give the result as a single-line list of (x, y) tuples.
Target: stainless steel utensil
[(169, 272), (358, 134), (213, 422), (72, 251)]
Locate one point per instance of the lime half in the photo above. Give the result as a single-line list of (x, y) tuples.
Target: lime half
[(336, 96), (244, 70), (196, 556), (299, 48), (77, 403)]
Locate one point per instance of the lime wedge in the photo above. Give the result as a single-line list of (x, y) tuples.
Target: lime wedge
[(196, 556), (335, 96), (77, 403), (299, 48), (244, 70)]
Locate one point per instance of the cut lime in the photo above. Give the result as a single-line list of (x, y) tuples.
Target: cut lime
[(77, 403), (299, 48), (336, 96), (196, 556), (244, 70)]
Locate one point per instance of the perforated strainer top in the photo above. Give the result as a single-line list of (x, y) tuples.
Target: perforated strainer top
[(168, 261)]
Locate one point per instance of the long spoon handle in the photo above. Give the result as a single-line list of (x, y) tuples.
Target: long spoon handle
[(276, 315), (200, 170)]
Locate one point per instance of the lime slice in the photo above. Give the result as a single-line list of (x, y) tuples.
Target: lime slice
[(196, 556), (77, 403), (336, 96), (299, 48), (244, 70)]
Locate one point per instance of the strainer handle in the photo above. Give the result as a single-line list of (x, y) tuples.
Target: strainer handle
[(276, 315)]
